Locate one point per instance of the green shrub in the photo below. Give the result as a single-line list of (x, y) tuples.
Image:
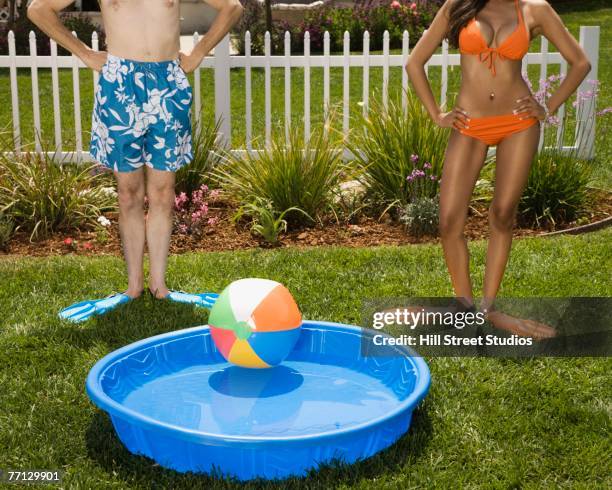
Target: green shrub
[(43, 196), (205, 157), (266, 222), (421, 216), (253, 19), (372, 16), (289, 174), (22, 26), (7, 226), (401, 154), (556, 190)]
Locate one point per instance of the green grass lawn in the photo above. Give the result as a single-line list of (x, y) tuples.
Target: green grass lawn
[(490, 423)]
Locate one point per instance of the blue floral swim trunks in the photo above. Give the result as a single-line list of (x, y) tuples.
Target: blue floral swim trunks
[(141, 116)]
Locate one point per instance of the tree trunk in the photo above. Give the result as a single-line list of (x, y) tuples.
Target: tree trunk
[(268, 4), (12, 4)]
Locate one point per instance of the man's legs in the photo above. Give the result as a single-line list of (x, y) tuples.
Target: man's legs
[(160, 193), (131, 188)]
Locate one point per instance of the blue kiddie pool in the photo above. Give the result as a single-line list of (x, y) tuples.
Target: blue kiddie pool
[(175, 399)]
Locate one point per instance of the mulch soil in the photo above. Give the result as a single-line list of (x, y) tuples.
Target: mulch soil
[(227, 235)]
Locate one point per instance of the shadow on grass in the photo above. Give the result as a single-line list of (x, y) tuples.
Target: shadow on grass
[(104, 447)]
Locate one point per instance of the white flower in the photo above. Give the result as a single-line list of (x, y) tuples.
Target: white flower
[(109, 191), (104, 221)]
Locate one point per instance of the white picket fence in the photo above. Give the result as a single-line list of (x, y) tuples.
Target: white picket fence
[(222, 62)]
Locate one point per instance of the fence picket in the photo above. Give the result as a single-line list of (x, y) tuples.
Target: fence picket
[(287, 84), (326, 62), (268, 91), (385, 79), (95, 45), (366, 71), (247, 91), (35, 92), (14, 91), (585, 124), (306, 87), (543, 75), (346, 44), (76, 90), (444, 76), (197, 96), (57, 116), (405, 54), (561, 111)]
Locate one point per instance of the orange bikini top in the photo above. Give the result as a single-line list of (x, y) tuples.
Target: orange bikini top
[(514, 47)]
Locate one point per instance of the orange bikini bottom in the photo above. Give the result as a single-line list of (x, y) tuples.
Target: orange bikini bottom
[(492, 129)]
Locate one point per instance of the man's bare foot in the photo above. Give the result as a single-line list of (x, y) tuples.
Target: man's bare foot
[(521, 326), (159, 292), (133, 293)]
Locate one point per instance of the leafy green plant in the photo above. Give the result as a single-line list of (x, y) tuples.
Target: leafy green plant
[(266, 221), (288, 174), (7, 226), (22, 26), (206, 155), (401, 154), (43, 195), (421, 216), (556, 190)]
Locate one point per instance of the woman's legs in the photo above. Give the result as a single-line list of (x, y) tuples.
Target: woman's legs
[(462, 163), (513, 161), (514, 157)]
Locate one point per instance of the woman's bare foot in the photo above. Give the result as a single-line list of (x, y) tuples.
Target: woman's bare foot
[(520, 326)]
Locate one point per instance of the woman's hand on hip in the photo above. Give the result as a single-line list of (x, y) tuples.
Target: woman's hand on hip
[(458, 118), (528, 106)]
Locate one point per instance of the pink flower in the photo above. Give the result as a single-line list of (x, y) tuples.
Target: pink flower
[(68, 242), (183, 228), (395, 4), (88, 246), (212, 221), (413, 6)]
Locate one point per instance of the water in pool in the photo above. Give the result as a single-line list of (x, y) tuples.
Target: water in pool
[(293, 399)]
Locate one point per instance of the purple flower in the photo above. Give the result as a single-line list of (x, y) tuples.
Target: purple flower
[(414, 158)]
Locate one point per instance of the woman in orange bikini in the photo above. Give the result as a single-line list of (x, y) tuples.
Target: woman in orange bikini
[(494, 107)]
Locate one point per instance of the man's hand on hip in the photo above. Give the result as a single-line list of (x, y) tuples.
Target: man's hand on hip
[(95, 59), (189, 62)]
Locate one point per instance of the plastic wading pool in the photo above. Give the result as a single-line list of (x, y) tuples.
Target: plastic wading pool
[(175, 399)]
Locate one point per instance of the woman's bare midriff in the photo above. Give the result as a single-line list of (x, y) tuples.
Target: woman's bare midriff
[(143, 30), (481, 94)]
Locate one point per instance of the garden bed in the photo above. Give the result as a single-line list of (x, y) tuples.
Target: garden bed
[(226, 235)]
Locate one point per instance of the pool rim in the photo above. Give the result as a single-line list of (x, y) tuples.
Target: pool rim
[(116, 409)]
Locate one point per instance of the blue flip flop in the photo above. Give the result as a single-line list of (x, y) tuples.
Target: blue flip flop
[(202, 300), (79, 312)]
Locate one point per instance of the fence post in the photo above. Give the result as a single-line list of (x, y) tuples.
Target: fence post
[(585, 112), (222, 90)]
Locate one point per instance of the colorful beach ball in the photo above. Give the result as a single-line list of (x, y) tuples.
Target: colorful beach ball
[(255, 323)]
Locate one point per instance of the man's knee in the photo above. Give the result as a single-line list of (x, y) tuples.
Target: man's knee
[(161, 195), (130, 195)]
